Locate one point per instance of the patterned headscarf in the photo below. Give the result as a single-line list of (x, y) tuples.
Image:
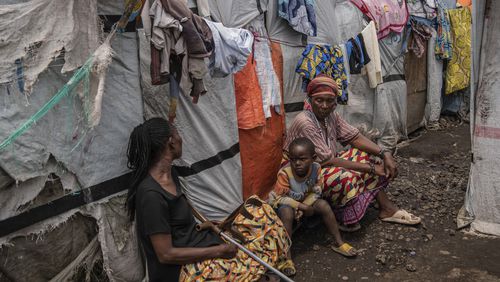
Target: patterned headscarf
[(322, 85)]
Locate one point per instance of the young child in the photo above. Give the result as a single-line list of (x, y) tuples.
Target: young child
[(298, 191)]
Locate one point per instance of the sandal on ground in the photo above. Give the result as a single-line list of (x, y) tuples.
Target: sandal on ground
[(403, 217), (350, 228), (288, 268), (346, 250)]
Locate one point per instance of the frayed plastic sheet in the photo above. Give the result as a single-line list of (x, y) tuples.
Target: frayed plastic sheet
[(36, 32)]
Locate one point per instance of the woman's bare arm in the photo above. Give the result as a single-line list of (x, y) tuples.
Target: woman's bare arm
[(168, 254), (366, 145)]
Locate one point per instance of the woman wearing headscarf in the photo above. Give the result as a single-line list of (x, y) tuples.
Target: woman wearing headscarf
[(173, 247), (352, 178)]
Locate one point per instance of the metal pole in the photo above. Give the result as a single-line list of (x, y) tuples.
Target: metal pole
[(255, 257)]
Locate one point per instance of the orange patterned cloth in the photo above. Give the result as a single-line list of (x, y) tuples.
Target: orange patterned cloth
[(267, 238)]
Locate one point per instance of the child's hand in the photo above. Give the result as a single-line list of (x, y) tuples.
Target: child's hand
[(298, 215), (317, 190), (308, 210)]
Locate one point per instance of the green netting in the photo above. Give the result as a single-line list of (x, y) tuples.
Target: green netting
[(81, 74)]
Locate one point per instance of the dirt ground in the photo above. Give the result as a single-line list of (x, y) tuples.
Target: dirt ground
[(434, 169)]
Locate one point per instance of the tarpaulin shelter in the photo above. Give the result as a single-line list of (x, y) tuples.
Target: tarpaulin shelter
[(62, 186), (482, 203)]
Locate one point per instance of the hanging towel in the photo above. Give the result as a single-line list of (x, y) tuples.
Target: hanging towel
[(388, 15), (374, 67)]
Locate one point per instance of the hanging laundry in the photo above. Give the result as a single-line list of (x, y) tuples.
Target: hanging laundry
[(196, 32), (422, 8), (232, 47), (168, 44), (356, 51), (443, 48), (374, 67), (458, 69), (248, 97), (299, 14), (346, 60), (268, 80), (418, 32), (388, 15), (324, 59)]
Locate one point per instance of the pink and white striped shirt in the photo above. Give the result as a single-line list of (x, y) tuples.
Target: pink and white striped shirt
[(305, 124)]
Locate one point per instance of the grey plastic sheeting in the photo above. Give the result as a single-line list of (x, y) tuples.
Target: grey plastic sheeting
[(207, 128), (100, 156), (236, 13), (483, 194), (115, 233), (102, 153)]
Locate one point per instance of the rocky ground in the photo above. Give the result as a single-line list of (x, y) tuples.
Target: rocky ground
[(434, 168)]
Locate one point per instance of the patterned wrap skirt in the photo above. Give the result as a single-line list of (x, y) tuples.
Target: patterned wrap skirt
[(350, 192), (266, 237)]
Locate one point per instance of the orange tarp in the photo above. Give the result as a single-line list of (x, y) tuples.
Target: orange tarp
[(260, 146)]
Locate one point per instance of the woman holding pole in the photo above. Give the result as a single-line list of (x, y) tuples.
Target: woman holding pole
[(173, 245)]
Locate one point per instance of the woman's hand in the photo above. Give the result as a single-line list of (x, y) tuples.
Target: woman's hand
[(227, 251), (379, 170), (390, 168)]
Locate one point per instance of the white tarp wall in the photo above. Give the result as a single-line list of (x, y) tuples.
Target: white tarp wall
[(483, 195)]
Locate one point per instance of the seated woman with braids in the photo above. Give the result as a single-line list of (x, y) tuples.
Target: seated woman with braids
[(174, 249)]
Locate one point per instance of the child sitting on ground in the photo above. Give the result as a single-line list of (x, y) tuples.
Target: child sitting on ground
[(298, 191)]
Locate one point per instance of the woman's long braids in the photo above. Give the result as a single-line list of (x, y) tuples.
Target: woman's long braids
[(147, 143)]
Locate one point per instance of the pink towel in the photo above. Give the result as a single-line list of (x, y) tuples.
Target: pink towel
[(388, 15)]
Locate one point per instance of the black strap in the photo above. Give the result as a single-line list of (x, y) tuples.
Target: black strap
[(259, 7), (98, 192), (394, 77), (64, 204), (202, 165), (294, 107)]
